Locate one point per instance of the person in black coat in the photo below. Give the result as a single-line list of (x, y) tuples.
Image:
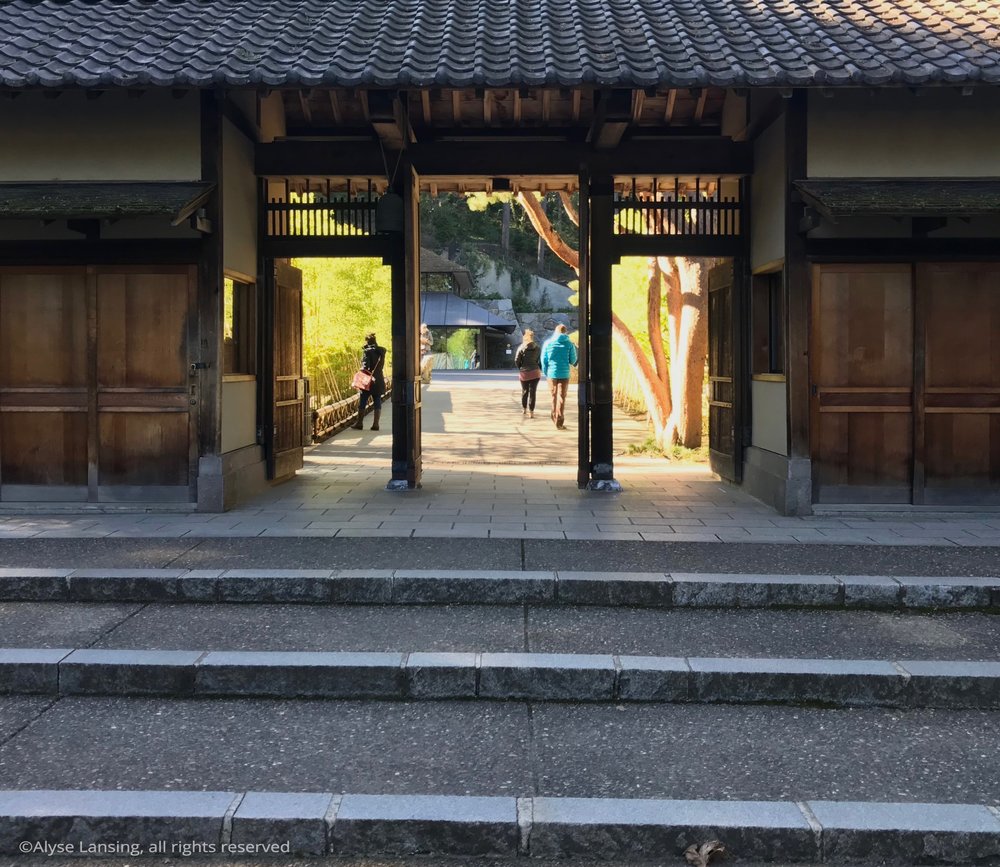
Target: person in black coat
[(373, 361), (529, 371)]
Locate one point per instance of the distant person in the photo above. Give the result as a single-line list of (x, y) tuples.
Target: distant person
[(372, 361), (558, 354), (426, 358), (475, 360), (529, 371)]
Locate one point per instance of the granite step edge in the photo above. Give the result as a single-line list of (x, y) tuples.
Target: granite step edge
[(227, 824), (428, 586), (501, 676)]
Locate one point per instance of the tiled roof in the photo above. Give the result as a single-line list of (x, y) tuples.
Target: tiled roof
[(447, 310), (176, 200), (495, 43), (912, 197)]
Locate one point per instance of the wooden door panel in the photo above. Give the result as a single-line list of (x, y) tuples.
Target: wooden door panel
[(725, 452), (43, 385), (44, 448), (286, 452), (862, 377), (961, 435), (142, 331), (43, 330), (143, 402), (144, 448)]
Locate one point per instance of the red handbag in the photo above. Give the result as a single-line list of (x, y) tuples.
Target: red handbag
[(362, 380)]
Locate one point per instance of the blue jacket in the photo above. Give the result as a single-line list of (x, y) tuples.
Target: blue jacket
[(558, 354)]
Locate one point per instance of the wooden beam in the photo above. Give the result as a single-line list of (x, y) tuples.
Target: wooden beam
[(668, 114), (210, 292), (577, 99), (425, 106), (517, 106), (102, 252), (456, 107), (638, 101), (709, 156), (699, 109), (601, 224), (362, 97), (612, 115), (304, 105), (488, 107), (338, 114), (546, 105), (387, 119), (798, 288)]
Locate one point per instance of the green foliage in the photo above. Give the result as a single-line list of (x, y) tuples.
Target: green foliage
[(342, 300), (460, 345), (674, 453)]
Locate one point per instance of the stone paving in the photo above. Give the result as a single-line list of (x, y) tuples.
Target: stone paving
[(491, 473)]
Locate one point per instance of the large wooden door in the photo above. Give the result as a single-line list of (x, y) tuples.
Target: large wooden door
[(724, 439), (285, 451), (95, 394), (862, 384), (958, 436)]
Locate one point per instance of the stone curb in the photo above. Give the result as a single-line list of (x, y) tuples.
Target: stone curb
[(116, 823), (502, 676), (483, 587)]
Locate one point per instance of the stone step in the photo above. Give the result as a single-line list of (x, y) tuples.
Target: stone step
[(233, 824), (501, 676), (507, 587)]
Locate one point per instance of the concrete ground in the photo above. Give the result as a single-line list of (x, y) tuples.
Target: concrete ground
[(491, 473)]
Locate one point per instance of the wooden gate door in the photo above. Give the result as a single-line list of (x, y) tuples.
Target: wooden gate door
[(95, 392), (285, 452), (862, 383), (145, 423), (958, 434), (725, 444), (43, 384)]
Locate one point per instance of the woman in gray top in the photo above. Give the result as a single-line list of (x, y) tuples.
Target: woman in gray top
[(529, 371)]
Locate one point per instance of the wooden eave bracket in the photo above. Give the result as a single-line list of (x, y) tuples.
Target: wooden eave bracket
[(195, 212), (389, 120), (612, 116)]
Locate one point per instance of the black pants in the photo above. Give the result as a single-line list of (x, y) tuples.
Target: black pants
[(528, 390)]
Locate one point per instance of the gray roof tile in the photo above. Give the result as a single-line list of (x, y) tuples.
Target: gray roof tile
[(384, 43)]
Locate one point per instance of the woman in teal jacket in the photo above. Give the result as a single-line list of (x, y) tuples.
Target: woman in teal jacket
[(558, 354)]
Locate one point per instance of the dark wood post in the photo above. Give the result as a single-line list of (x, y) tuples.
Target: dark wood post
[(406, 453), (208, 353), (602, 470), (583, 389), (797, 281)]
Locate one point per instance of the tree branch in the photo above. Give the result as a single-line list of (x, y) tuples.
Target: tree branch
[(533, 208), (567, 204)]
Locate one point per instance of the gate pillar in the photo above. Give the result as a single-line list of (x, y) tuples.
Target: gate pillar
[(601, 258), (406, 451)]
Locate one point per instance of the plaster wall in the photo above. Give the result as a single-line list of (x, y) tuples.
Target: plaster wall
[(239, 203), (769, 416), (897, 133), (767, 197), (734, 114), (239, 414), (154, 137), (272, 117)]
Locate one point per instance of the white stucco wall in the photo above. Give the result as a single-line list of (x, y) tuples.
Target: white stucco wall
[(769, 416), (153, 137), (896, 133), (239, 414), (767, 197), (239, 202)]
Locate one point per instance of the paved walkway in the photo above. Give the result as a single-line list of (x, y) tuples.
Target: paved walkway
[(491, 473)]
